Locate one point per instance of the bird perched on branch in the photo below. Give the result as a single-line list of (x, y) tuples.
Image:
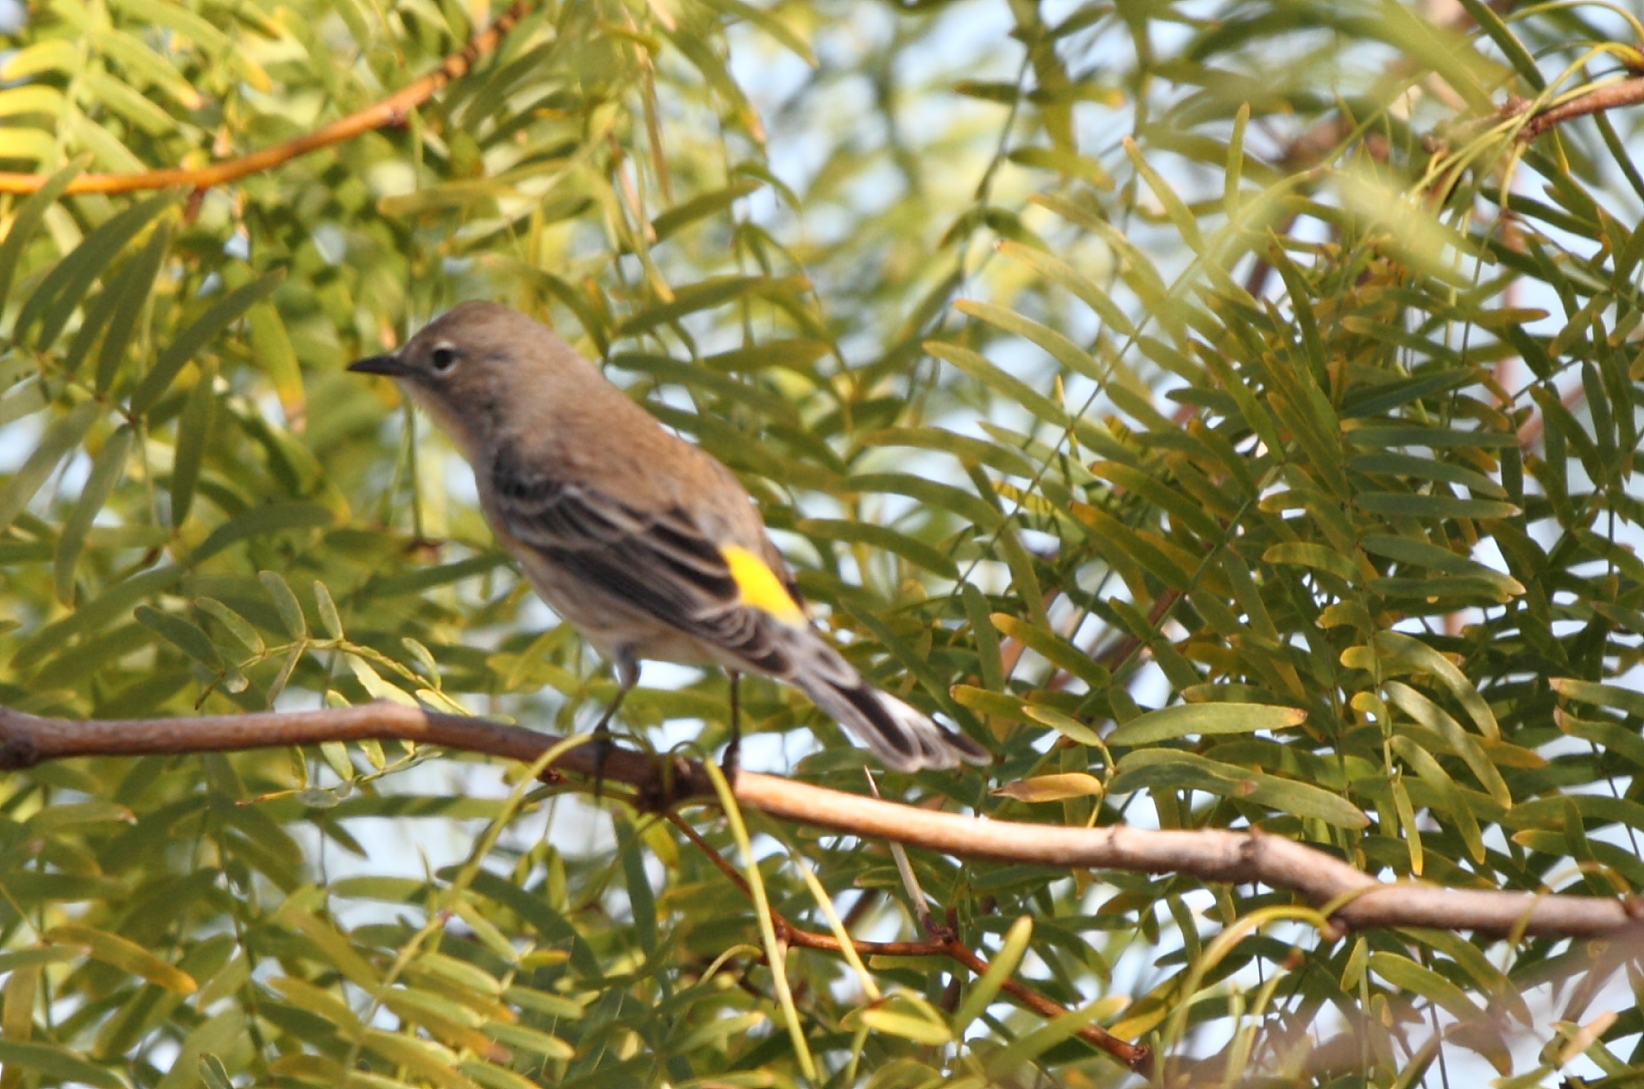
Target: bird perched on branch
[(643, 542)]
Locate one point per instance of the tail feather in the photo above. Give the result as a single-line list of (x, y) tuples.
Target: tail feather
[(904, 738), (901, 736)]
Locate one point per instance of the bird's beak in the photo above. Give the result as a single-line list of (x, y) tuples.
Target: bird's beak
[(389, 365)]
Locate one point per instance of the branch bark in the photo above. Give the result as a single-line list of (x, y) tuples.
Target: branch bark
[(1608, 97), (1354, 900), (390, 111)]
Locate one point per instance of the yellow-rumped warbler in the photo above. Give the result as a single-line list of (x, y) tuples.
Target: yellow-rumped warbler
[(644, 543)]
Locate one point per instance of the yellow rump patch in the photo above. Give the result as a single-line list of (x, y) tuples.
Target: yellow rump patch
[(759, 588)]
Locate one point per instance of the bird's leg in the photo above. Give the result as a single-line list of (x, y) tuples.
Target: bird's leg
[(627, 671), (732, 761)]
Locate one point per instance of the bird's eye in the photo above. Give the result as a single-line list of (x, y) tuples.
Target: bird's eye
[(443, 359)]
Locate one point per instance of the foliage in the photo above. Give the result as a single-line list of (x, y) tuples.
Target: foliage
[(1235, 359)]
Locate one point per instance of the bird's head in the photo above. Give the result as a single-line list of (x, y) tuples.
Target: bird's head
[(474, 368)]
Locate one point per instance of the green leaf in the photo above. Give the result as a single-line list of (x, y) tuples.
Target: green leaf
[(1407, 465), (1204, 719), (1180, 215), (1082, 287), (703, 206), (1013, 389), (495, 1077), (537, 913), (26, 400), (1409, 504), (125, 955), (982, 993), (695, 376), (450, 972), (1411, 978), (271, 348), (64, 436), (1180, 504), (1023, 577), (1418, 655), (553, 1005), (1000, 704), (78, 814), (50, 55), (1619, 739), (1058, 651), (273, 518), (1138, 272), (153, 68), (1438, 438), (128, 296), (1410, 551), (1065, 162), (56, 1062), (1063, 350), (193, 433), (769, 23), (48, 954), (1030, 1045), (930, 493), (985, 637), (236, 624), (909, 1019), (422, 1057), (1463, 744), (881, 537), (123, 99), (114, 603), (63, 288), (1433, 774), (531, 1040), (1069, 727), (180, 19), (338, 952), (1393, 394), (1316, 556), (1171, 769), (327, 608), (28, 221), (710, 294), (423, 579), (186, 636), (1051, 788), (222, 1033), (206, 327), (1485, 18), (214, 1073), (291, 613), (1626, 700), (105, 474), (963, 447)]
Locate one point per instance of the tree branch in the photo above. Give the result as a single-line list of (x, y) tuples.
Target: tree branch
[(1354, 900), (390, 111), (1628, 92)]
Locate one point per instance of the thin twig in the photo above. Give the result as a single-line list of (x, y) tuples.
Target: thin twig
[(389, 112), (1137, 1057)]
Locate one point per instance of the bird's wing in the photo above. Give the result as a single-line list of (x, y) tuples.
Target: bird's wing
[(659, 564)]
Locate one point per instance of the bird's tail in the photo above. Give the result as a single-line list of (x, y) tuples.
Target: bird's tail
[(904, 738)]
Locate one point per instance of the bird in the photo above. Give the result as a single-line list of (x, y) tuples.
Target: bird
[(645, 543)]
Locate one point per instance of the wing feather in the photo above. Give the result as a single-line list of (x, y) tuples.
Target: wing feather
[(659, 564)]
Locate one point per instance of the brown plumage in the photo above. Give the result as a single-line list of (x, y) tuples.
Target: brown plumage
[(644, 543)]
